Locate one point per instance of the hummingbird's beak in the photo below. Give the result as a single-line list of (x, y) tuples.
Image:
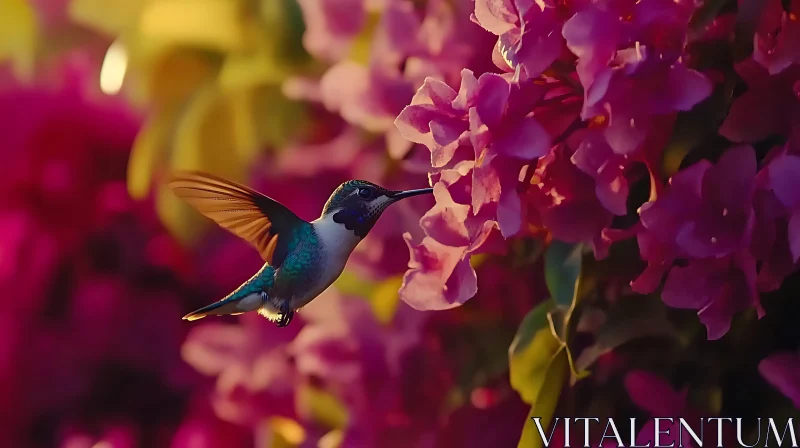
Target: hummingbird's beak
[(397, 195)]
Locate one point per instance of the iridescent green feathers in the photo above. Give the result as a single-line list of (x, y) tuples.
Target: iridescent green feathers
[(265, 223)]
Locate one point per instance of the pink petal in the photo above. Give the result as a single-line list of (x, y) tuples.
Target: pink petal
[(653, 394), (782, 370), (689, 86), (492, 98), (526, 140), (445, 221), (496, 16), (427, 285), (794, 235), (784, 175)]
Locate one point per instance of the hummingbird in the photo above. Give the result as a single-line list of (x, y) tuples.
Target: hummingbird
[(301, 259)]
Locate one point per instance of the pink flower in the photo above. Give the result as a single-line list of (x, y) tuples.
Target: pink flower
[(370, 97), (781, 370), (529, 37), (776, 238), (770, 106), (705, 215), (717, 287), (629, 64), (338, 346), (565, 198), (440, 275), (331, 25), (783, 175), (658, 398), (777, 35), (491, 114)]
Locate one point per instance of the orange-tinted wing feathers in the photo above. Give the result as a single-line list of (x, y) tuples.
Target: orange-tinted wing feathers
[(241, 210)]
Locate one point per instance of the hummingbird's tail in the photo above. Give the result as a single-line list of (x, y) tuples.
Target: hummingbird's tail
[(248, 297), (231, 306)]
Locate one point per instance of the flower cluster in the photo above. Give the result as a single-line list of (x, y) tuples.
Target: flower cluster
[(90, 282), (596, 166)]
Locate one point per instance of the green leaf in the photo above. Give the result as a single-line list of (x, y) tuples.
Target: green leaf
[(546, 400), (535, 320), (631, 318), (562, 269), (529, 362)]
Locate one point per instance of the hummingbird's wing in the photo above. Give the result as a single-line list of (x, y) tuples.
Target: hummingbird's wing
[(263, 222)]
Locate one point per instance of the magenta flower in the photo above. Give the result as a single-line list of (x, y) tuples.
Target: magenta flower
[(331, 26), (628, 62), (338, 346), (710, 205), (717, 287), (565, 198), (407, 48), (255, 377), (492, 115), (707, 211), (595, 157), (783, 176), (782, 370), (705, 215), (201, 428), (437, 43), (655, 30), (776, 240), (440, 275), (777, 36), (656, 396), (529, 37), (771, 105), (370, 97)]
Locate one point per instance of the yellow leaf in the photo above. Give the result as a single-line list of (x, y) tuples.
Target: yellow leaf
[(205, 138), (321, 406), (265, 64), (149, 151), (476, 260), (362, 44), (332, 439), (254, 69), (385, 299), (107, 16), (245, 128), (183, 222), (163, 75), (673, 156), (529, 366), (18, 36), (277, 129), (213, 24), (350, 283), (280, 432), (715, 400), (546, 401)]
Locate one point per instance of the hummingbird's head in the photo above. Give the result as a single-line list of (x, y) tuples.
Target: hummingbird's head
[(357, 204)]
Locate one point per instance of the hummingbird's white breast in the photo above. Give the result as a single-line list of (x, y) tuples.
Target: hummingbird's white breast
[(336, 245)]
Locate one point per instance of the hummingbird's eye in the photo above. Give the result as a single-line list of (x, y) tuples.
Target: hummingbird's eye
[(365, 193)]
